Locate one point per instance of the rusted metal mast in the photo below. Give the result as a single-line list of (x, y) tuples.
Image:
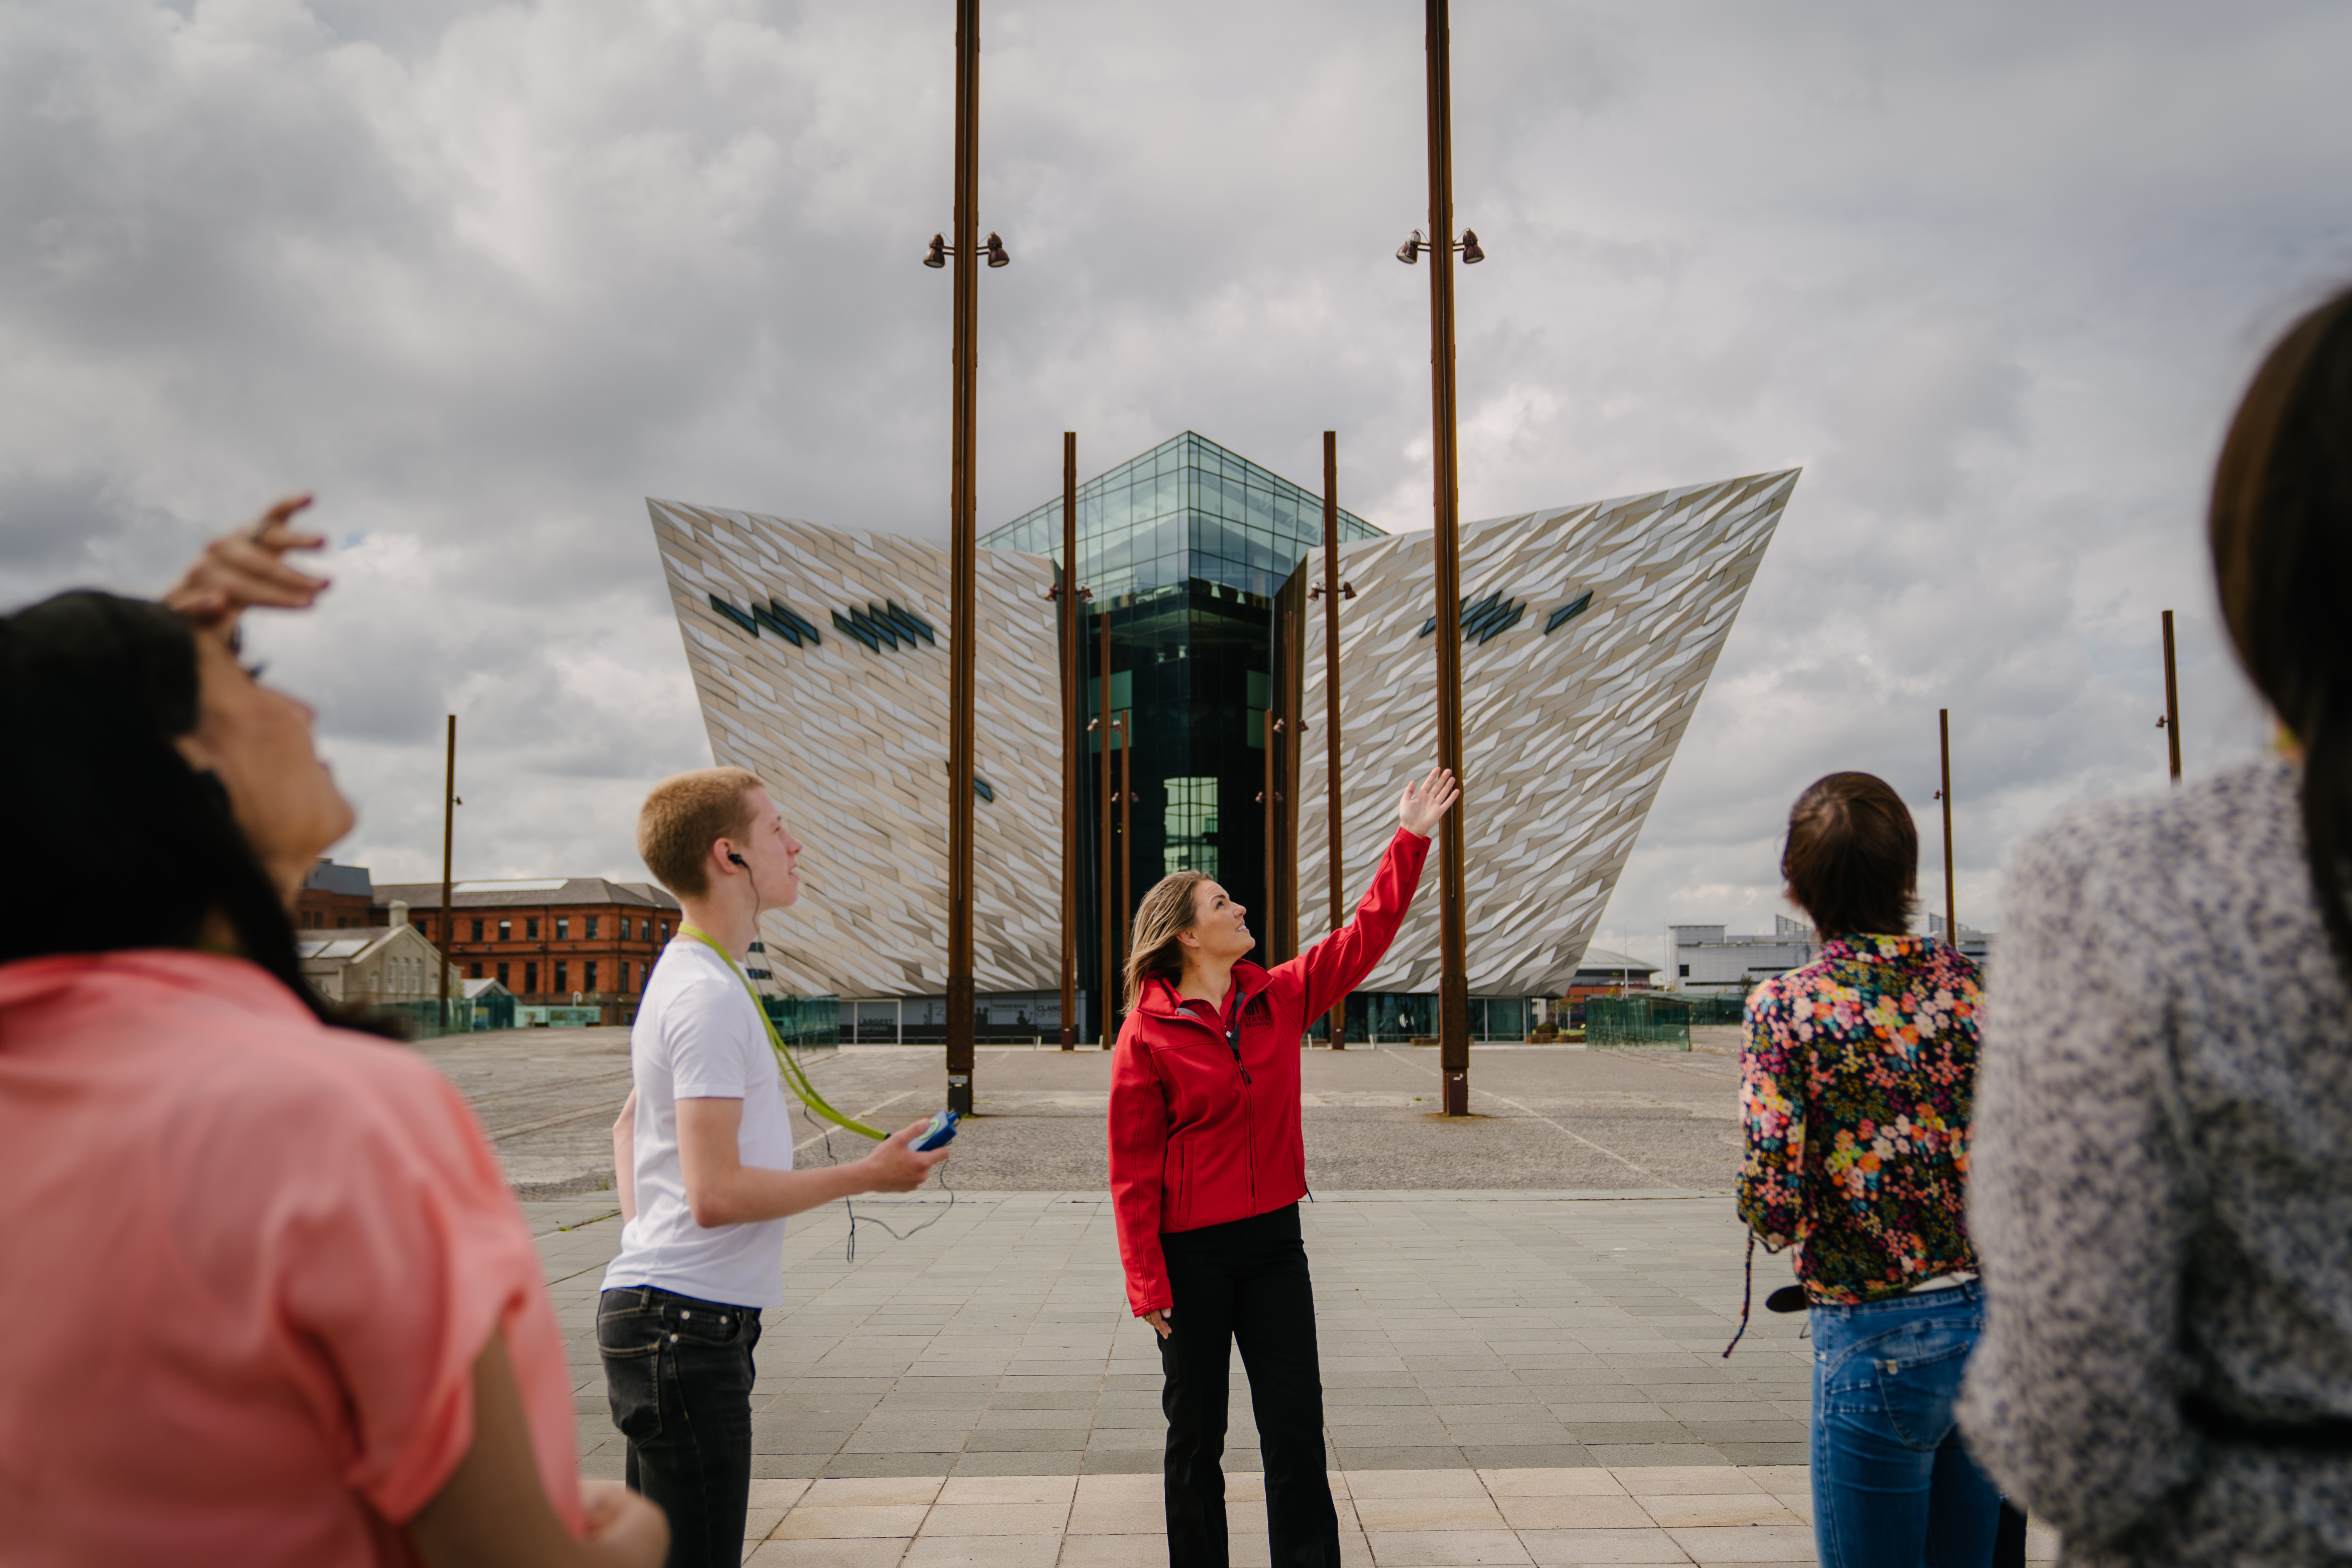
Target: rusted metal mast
[(1951, 902), (2171, 701), (1452, 934), (964, 596), (1332, 704), (447, 922), (1072, 739), (1106, 1003)]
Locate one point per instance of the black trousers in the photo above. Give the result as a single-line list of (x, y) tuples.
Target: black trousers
[(1245, 1284), (679, 1373)]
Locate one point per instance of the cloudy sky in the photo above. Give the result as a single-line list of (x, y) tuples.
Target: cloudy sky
[(485, 276)]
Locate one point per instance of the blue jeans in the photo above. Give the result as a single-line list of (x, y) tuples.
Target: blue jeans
[(678, 1372), (1892, 1485)]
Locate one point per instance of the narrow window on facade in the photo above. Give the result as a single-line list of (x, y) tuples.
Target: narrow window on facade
[(588, 976), (502, 975), (478, 936), (621, 977), (564, 928), (506, 930), (530, 979), (591, 933), (530, 929), (563, 976), (477, 972), (1190, 825)]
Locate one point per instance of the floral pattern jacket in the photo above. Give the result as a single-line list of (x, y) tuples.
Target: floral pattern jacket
[(1856, 1085)]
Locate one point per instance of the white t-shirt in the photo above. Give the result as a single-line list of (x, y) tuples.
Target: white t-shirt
[(698, 1035)]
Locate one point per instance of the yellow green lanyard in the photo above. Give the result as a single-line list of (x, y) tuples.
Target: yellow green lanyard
[(785, 1059)]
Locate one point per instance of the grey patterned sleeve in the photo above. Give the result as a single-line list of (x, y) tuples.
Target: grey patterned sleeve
[(2075, 1196)]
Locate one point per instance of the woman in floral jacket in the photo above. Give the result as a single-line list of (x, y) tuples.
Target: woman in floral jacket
[(1857, 1075)]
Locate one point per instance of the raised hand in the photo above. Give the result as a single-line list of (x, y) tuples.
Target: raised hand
[(1426, 803), (248, 567)]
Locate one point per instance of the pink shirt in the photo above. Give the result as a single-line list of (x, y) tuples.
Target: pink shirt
[(249, 1262)]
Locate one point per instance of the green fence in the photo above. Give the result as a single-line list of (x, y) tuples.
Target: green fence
[(425, 1020), (1715, 1009), (806, 1023), (1652, 1021)]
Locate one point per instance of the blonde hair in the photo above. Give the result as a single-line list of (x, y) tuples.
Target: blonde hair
[(1165, 914), (684, 816)]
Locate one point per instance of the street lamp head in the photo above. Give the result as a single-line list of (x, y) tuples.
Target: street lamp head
[(1410, 251), (1471, 254), (995, 250), (936, 256)]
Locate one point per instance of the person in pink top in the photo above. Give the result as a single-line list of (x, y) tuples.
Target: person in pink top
[(275, 1302)]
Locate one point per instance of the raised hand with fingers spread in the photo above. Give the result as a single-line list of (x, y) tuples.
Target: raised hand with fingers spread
[(248, 567), (1426, 801)]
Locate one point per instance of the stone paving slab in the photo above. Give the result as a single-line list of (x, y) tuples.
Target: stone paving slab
[(1536, 1518), (1521, 1378), (1460, 1330)]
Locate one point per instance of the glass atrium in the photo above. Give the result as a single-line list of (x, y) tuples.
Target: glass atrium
[(1185, 548), (1187, 508)]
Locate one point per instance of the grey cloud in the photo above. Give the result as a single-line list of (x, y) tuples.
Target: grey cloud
[(487, 276)]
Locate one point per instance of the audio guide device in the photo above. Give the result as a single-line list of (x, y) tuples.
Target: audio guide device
[(939, 1134)]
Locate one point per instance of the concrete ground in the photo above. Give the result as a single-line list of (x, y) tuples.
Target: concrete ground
[(1546, 1117), (1521, 1315)]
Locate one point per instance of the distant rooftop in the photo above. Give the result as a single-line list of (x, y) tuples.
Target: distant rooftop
[(1602, 960), (530, 890), (329, 877)]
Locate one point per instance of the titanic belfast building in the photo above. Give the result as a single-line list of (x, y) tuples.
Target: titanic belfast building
[(819, 657)]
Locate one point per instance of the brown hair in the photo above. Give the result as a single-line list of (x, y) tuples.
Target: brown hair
[(684, 816), (2280, 529), (1852, 859), (1165, 914)]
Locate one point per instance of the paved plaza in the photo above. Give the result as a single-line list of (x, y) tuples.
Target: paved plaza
[(1515, 1374)]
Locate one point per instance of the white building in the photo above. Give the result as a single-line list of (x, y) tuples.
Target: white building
[(376, 964), (1710, 958)]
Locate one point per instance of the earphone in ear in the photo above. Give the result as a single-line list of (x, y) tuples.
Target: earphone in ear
[(737, 860)]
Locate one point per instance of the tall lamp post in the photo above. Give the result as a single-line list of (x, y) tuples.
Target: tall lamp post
[(963, 594), (1107, 963), (1452, 936), (450, 804), (1331, 591), (1073, 602), (2169, 722), (1951, 897)]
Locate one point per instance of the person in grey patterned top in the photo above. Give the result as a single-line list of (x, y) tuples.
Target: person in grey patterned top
[(2161, 1184)]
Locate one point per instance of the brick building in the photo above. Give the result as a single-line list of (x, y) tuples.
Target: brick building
[(548, 940), (336, 897)]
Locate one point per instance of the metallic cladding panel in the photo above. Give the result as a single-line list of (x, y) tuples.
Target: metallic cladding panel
[(1566, 734), (852, 742)]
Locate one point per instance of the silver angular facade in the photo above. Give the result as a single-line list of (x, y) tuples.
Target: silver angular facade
[(825, 673), (1590, 633), (848, 728)]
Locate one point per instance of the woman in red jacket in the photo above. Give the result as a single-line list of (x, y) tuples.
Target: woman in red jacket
[(1207, 1166)]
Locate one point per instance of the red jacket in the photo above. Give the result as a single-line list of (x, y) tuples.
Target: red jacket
[(1198, 1138)]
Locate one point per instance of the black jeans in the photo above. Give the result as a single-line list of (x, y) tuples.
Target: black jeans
[(678, 1372), (1244, 1283)]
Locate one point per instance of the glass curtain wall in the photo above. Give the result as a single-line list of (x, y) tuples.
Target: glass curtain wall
[(1185, 548)]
